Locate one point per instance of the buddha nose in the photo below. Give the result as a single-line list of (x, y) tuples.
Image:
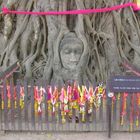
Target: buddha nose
[(73, 57)]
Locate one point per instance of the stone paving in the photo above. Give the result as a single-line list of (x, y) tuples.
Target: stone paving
[(69, 136)]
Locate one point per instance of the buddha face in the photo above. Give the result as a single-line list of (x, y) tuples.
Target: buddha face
[(70, 54)]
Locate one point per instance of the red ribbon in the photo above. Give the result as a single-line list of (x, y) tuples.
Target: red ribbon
[(124, 104)]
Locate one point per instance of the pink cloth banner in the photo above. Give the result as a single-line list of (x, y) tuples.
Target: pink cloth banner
[(74, 12)]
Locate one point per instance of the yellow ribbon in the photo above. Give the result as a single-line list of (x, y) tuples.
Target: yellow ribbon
[(9, 104), (137, 2), (36, 107), (2, 105), (21, 103), (137, 121)]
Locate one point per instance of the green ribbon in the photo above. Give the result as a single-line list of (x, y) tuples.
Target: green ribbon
[(0, 9)]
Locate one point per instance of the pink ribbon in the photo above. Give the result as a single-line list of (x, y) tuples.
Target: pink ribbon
[(128, 66), (62, 95), (135, 7)]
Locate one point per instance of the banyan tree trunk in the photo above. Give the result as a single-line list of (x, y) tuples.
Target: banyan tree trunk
[(84, 48)]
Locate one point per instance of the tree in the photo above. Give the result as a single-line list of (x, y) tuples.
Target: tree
[(77, 47)]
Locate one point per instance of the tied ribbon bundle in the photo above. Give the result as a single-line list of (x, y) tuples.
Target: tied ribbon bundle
[(82, 101), (135, 5), (132, 113), (124, 106), (69, 93), (83, 96), (49, 91), (133, 108), (79, 99), (90, 99), (64, 100), (64, 104), (38, 96), (21, 100), (53, 101), (54, 98), (9, 98), (113, 102), (137, 109), (75, 96), (99, 94)]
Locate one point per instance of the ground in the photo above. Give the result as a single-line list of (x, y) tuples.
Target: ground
[(69, 136)]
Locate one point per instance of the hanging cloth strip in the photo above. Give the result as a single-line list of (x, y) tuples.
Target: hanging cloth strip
[(82, 101), (9, 97), (64, 104), (90, 98), (49, 92), (38, 96), (99, 93), (75, 96), (134, 5), (124, 106), (132, 112), (9, 71), (64, 98), (137, 109), (54, 98), (131, 67), (69, 93)]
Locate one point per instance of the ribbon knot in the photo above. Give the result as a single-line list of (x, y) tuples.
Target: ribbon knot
[(5, 10)]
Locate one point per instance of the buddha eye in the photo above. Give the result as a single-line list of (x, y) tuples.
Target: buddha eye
[(78, 52), (67, 51)]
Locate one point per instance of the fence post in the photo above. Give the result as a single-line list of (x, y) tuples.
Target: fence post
[(109, 108), (13, 100), (46, 105), (5, 106), (18, 86), (109, 117), (40, 125), (32, 105), (26, 104)]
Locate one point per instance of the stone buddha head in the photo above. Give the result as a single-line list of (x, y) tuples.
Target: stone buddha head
[(71, 49)]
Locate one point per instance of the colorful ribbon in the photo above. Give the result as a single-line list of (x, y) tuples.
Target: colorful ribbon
[(137, 2), (135, 7), (77, 99), (124, 106), (132, 113), (38, 96), (131, 68)]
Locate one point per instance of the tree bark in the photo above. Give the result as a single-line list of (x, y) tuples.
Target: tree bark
[(106, 39)]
